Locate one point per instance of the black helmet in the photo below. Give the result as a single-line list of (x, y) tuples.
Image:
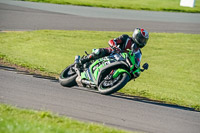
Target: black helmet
[(140, 36)]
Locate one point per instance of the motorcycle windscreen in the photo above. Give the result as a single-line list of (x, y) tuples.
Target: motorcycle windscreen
[(138, 57)]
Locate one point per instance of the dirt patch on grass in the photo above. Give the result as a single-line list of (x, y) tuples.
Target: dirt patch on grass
[(4, 63)]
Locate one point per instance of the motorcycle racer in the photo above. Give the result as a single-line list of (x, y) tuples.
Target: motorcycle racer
[(138, 40)]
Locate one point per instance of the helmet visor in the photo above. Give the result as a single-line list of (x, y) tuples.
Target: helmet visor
[(141, 39)]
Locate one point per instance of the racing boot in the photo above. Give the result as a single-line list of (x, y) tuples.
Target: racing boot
[(96, 53), (86, 59)]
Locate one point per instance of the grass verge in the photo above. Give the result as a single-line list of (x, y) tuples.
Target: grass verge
[(173, 75), (153, 5), (15, 120)]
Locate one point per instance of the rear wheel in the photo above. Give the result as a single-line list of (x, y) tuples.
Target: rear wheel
[(68, 77), (111, 85)]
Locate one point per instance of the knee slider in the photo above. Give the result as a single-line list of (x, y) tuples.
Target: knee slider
[(96, 51)]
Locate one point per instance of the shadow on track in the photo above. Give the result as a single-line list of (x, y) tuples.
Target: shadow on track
[(7, 68), (150, 101)]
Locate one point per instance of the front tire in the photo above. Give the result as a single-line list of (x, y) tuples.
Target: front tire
[(106, 87), (68, 77)]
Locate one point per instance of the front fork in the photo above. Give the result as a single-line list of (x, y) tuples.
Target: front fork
[(77, 70)]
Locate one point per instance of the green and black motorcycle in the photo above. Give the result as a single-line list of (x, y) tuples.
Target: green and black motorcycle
[(107, 74)]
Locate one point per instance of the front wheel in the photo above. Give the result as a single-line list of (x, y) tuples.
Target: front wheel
[(109, 86), (68, 77)]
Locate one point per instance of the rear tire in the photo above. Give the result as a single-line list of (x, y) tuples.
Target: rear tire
[(120, 84), (68, 77)]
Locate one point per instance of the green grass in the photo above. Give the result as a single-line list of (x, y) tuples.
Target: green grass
[(155, 5), (173, 75), (15, 120)]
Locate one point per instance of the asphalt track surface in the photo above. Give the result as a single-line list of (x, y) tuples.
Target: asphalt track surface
[(130, 113)]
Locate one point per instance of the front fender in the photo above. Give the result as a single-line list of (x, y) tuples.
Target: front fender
[(119, 71)]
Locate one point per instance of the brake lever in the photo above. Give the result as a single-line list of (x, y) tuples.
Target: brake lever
[(86, 53)]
